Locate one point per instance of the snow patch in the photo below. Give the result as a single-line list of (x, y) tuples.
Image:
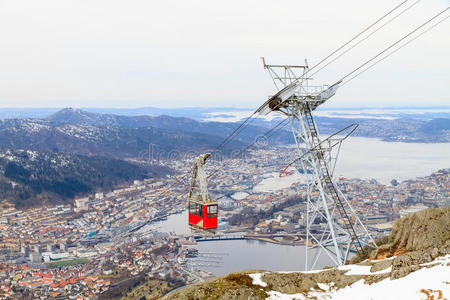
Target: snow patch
[(408, 287), (305, 272), (323, 286), (274, 295), (362, 270), (433, 280), (257, 279)]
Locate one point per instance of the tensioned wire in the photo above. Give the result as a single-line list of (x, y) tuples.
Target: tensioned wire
[(393, 44), (394, 51)]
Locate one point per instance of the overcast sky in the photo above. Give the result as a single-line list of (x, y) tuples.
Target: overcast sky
[(107, 53)]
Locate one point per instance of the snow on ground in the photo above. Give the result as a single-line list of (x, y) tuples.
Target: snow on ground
[(273, 295), (444, 260), (239, 195), (274, 182), (409, 287), (305, 272), (434, 280), (362, 270), (257, 279)]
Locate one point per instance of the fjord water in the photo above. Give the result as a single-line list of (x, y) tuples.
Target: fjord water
[(368, 158), (237, 255)]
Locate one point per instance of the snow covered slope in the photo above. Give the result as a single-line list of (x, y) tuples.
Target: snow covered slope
[(432, 281)]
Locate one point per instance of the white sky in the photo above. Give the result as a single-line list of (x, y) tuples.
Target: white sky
[(107, 53)]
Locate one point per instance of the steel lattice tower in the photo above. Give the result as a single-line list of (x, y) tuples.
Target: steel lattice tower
[(316, 159)]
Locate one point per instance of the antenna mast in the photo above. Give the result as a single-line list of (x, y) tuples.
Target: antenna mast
[(317, 158)]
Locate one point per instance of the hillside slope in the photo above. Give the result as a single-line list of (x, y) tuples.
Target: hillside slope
[(411, 263), (175, 124), (85, 139), (30, 178)]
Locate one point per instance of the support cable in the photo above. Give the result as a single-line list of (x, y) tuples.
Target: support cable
[(358, 35), (393, 45), (389, 54), (365, 38), (236, 131), (268, 134)]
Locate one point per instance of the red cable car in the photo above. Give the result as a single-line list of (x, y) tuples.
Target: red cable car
[(203, 212), (203, 215)]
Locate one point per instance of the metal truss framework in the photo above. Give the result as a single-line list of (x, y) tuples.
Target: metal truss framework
[(332, 226)]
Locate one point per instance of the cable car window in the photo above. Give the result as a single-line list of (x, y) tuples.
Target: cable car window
[(192, 208), (200, 210), (212, 211)]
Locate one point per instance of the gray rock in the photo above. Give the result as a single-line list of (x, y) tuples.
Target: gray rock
[(381, 265), (434, 253)]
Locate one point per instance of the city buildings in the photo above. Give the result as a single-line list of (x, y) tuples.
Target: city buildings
[(91, 247)]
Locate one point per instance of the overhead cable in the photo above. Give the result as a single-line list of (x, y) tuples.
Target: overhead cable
[(392, 52), (394, 44), (358, 35), (268, 134), (366, 37)]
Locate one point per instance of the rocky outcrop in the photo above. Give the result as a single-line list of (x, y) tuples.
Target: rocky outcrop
[(380, 265), (415, 239), (235, 286), (426, 230), (291, 283)]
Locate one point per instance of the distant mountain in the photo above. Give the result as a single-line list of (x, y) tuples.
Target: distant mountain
[(196, 113), (29, 178), (404, 126), (80, 132), (436, 126), (205, 113), (402, 130), (78, 116), (178, 124), (117, 142)]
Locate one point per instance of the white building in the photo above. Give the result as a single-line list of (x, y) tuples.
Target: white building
[(81, 204)]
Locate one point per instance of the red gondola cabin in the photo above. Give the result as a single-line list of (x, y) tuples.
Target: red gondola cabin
[(203, 215)]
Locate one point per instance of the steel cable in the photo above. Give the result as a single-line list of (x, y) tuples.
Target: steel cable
[(358, 35), (394, 51), (365, 38), (393, 44)]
